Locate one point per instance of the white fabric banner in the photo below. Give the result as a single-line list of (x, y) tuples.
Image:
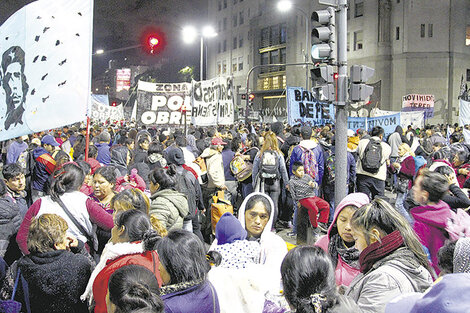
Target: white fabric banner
[(464, 112), (414, 118), (102, 112), (46, 66), (213, 102)]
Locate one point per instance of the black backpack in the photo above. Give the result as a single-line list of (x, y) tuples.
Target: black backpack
[(372, 158), (269, 164)]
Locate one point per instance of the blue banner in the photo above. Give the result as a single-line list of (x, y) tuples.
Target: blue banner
[(303, 108), (387, 122)]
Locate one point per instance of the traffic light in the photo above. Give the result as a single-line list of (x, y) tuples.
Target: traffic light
[(114, 103), (152, 40), (359, 74), (324, 36), (323, 78), (251, 98)]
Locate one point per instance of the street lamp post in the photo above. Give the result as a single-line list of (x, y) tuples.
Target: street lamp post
[(189, 36), (285, 6)]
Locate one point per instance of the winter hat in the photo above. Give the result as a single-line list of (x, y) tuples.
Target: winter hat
[(306, 131), (277, 128), (229, 229), (446, 296), (462, 256), (175, 156)]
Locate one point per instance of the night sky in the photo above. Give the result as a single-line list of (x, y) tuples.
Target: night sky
[(119, 23)]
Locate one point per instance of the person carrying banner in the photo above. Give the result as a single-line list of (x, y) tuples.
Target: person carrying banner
[(44, 166)]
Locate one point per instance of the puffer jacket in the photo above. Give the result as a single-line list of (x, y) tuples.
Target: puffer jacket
[(170, 207), (215, 168), (10, 221), (394, 275)]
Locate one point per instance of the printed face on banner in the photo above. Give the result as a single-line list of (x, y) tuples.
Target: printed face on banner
[(304, 108), (45, 50), (162, 104)]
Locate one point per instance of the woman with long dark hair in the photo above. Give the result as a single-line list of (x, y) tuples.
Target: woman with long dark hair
[(309, 285), (79, 211)]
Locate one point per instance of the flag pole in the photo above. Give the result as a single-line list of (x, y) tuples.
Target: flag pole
[(87, 139)]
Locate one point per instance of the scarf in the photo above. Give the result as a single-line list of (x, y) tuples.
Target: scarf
[(111, 252), (380, 249), (165, 290), (349, 255)]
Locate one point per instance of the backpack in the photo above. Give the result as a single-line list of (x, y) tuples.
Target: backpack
[(330, 169), (240, 168), (372, 158), (420, 161), (309, 161), (269, 164), (23, 159), (458, 226)]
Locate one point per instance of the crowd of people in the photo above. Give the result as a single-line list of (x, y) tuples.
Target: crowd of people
[(147, 219)]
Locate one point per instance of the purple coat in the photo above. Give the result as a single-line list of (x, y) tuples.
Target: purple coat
[(203, 297), (430, 223), (296, 156)]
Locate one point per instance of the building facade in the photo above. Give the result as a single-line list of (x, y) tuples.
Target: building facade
[(415, 47)]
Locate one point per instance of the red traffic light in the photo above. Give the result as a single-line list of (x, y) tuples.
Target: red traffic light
[(114, 103), (335, 76), (251, 97), (152, 40)]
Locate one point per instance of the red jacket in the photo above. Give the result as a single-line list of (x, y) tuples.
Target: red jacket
[(148, 259)]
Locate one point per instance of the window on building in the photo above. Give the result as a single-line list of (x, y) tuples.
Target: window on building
[(240, 63), (265, 42), (219, 26), (283, 33), (220, 5), (275, 35), (224, 67), (224, 45), (423, 30), (468, 75), (225, 23), (397, 33), (358, 40), (219, 68), (235, 41), (348, 42), (430, 30), (348, 12), (358, 8), (275, 57), (240, 41), (234, 20), (219, 47), (283, 58), (398, 1), (225, 4), (467, 37), (264, 58), (234, 65), (241, 18)]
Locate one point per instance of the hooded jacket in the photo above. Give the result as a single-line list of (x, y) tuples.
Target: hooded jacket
[(170, 207), (104, 156), (44, 165), (215, 168), (119, 159), (344, 273), (394, 275), (430, 223), (296, 156)]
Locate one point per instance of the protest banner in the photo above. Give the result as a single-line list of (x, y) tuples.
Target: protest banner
[(162, 103), (464, 112), (212, 102), (413, 118), (416, 102), (387, 122), (102, 112), (46, 66), (303, 108)]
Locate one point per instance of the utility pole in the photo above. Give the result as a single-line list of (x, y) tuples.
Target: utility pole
[(341, 116)]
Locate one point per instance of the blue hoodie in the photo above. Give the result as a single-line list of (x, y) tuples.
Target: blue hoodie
[(229, 229)]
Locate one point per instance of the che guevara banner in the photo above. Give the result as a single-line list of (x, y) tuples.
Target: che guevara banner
[(163, 103), (213, 102), (45, 51)]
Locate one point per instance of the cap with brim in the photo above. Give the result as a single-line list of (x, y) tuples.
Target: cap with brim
[(49, 140), (217, 142)]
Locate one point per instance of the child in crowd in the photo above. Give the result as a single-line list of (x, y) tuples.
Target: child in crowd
[(236, 251), (302, 188)]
